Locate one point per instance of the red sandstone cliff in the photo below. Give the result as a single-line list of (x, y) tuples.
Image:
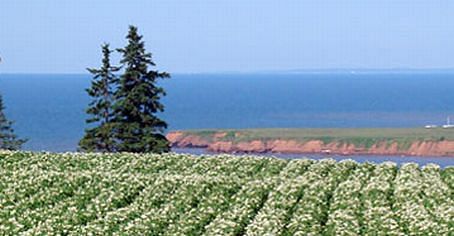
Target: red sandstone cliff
[(417, 148)]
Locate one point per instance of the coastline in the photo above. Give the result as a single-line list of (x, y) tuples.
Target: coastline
[(400, 142)]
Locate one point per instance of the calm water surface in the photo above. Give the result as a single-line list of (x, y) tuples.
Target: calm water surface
[(49, 109), (441, 161)]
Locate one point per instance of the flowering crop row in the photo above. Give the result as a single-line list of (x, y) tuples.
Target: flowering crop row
[(346, 206), (448, 178), (438, 199), (310, 214), (378, 214), (178, 194), (414, 218), (272, 217), (152, 211), (244, 205)]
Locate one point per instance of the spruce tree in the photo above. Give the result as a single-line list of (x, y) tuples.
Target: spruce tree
[(8, 140), (101, 137), (138, 129)]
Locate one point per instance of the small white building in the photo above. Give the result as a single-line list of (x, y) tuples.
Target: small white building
[(448, 124)]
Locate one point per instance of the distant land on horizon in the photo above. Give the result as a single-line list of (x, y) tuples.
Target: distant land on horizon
[(290, 71), (339, 141), (50, 109)]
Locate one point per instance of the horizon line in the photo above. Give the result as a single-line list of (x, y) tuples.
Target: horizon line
[(287, 71)]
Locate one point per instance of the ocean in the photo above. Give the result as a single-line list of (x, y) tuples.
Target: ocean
[(399, 160), (49, 110)]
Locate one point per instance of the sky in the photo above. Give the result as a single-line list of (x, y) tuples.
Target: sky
[(197, 36)]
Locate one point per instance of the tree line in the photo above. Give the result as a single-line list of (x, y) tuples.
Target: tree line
[(125, 101)]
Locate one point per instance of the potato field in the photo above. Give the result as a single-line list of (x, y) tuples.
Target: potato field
[(177, 194)]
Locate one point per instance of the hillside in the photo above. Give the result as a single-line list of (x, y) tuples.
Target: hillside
[(173, 194), (377, 141)]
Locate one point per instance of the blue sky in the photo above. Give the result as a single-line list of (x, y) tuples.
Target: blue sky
[(62, 36)]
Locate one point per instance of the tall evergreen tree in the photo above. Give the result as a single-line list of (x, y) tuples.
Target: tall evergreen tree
[(101, 137), (138, 129), (8, 140)]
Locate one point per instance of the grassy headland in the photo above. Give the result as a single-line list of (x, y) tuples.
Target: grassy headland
[(398, 139), (357, 136)]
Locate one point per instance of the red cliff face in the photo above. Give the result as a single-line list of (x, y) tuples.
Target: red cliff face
[(417, 148), (178, 139)]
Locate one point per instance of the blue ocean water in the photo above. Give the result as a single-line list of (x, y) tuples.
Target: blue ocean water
[(49, 109), (399, 160)]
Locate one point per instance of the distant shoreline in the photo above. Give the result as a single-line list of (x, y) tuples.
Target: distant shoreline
[(342, 141), (261, 72)]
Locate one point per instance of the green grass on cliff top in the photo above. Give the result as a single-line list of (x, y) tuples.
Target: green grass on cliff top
[(358, 136)]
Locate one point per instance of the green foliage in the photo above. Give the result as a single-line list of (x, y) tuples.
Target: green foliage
[(101, 138), (179, 194), (206, 134), (230, 136), (124, 108), (361, 137), (347, 133), (137, 127), (8, 140)]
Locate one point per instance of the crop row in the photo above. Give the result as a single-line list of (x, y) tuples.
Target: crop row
[(177, 194)]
